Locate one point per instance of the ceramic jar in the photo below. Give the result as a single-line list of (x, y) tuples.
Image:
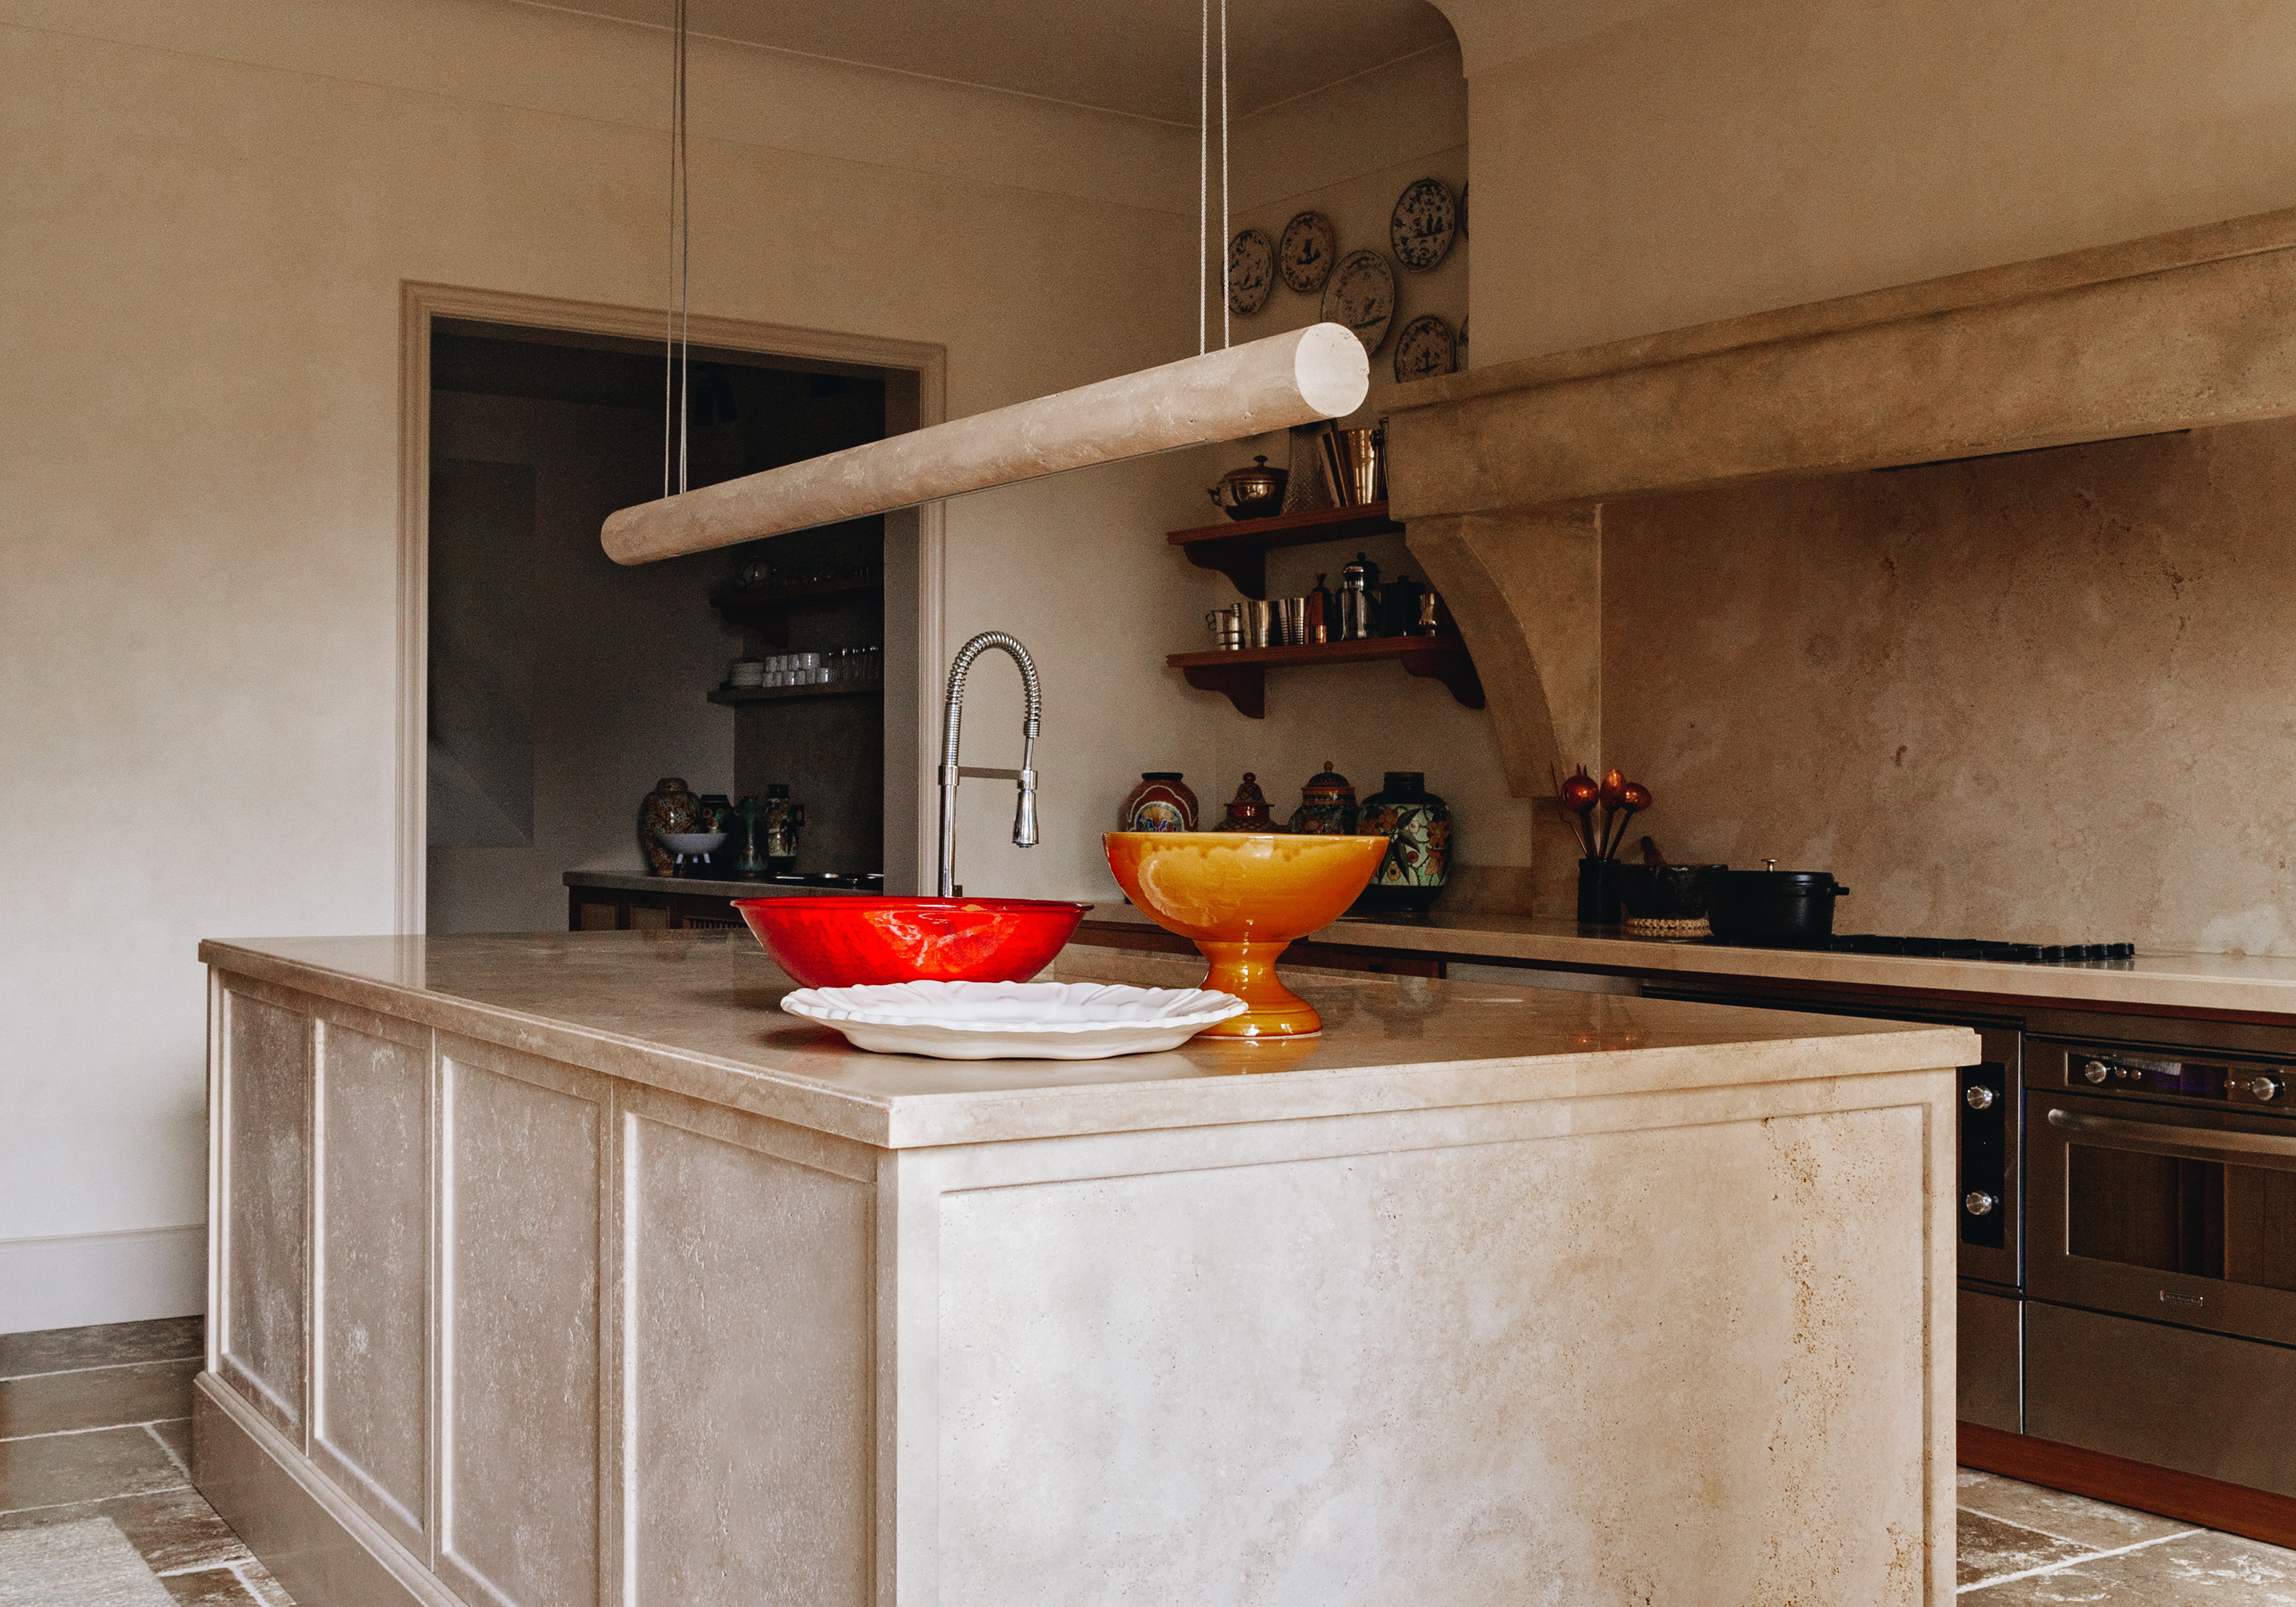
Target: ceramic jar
[(1248, 811), (1161, 802), (670, 807), (782, 821), (1417, 826), (1327, 806)]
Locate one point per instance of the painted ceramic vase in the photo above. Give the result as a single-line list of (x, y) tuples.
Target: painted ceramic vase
[(1327, 806), (670, 807), (1417, 826), (1248, 811), (782, 820), (1161, 802)]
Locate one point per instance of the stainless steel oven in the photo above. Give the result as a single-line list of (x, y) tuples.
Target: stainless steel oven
[(2160, 1212), (2164, 1187)]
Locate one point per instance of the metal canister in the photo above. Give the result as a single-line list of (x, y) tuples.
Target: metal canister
[(1358, 601)]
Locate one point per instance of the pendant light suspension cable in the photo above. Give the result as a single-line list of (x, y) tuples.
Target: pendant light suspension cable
[(1227, 232), (1204, 180), (676, 389), (1304, 376)]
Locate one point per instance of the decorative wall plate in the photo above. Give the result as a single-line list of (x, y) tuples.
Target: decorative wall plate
[(1310, 247), (1425, 349), (1426, 221), (1251, 271), (1361, 295)]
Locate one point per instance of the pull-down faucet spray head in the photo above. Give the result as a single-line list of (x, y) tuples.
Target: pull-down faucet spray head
[(1024, 812)]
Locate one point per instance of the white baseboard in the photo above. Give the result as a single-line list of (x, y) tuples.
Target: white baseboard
[(79, 1279)]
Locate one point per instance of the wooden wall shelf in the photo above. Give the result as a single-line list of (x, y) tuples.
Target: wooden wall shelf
[(1239, 548), (766, 608), (1241, 675), (778, 694)]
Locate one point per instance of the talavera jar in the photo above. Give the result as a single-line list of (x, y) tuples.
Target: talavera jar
[(1417, 826), (1161, 802), (1248, 811), (670, 807), (1327, 806)]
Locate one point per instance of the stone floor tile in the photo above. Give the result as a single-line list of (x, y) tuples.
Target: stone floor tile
[(2213, 1569), (58, 1349), (138, 1392), (210, 1587), (177, 1438), (2095, 1524), (1990, 1548), (2198, 1569), (268, 1590), (170, 1530), (57, 1468)]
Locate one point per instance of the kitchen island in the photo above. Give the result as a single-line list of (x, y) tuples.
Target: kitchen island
[(565, 1268)]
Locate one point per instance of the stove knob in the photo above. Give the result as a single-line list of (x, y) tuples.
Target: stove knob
[(2095, 1071), (2053, 951), (2121, 951), (1977, 1096), (1977, 1202), (2264, 1088)]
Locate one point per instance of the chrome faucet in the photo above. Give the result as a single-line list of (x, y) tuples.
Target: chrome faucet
[(1024, 813)]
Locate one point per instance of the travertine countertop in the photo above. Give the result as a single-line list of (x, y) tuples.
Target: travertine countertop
[(2255, 984), (697, 1012)]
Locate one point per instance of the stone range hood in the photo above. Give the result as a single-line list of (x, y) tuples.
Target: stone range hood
[(1500, 474)]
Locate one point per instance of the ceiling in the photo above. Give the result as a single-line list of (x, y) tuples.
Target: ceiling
[(1142, 58)]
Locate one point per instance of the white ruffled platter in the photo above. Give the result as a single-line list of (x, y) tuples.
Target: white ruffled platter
[(1014, 1021)]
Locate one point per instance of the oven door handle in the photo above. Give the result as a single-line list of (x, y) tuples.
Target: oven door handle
[(2270, 1149)]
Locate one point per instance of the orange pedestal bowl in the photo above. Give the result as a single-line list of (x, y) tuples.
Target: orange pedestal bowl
[(1243, 896)]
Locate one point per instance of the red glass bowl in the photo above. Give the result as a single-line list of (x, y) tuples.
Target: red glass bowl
[(845, 942)]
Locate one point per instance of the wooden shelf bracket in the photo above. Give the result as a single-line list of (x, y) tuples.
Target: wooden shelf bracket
[(1243, 685)]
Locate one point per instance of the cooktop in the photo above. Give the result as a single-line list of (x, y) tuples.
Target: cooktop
[(1952, 949)]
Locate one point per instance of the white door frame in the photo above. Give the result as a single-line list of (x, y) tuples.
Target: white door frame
[(907, 816)]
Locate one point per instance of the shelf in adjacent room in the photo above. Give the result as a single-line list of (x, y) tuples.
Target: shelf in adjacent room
[(1239, 548), (766, 609), (776, 694), (1240, 674)]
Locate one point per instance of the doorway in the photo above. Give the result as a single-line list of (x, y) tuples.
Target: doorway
[(557, 687)]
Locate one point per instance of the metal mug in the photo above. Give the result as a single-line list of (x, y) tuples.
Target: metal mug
[(1291, 621), (1363, 464), (1259, 626), (1226, 628)]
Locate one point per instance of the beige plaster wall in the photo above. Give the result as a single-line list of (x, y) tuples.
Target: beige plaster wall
[(206, 214), (2040, 697), (1722, 157)]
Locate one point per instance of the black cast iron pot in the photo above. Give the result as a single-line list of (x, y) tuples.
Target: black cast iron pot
[(1773, 907)]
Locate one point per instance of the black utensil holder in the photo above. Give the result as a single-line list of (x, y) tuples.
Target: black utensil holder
[(1598, 892)]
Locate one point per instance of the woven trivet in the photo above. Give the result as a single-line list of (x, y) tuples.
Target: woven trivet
[(1649, 926)]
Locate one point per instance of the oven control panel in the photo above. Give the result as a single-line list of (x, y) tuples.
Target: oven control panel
[(2106, 1069)]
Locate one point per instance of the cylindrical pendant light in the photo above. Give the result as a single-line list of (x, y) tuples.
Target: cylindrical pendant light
[(1296, 378)]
